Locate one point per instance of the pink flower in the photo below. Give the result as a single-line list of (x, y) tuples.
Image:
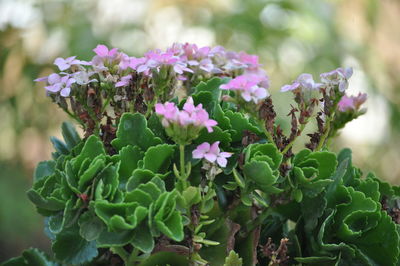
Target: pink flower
[(64, 64), (338, 77), (352, 102), (56, 83), (168, 111), (254, 94), (249, 87), (102, 51), (190, 115), (124, 81), (211, 153), (304, 82)]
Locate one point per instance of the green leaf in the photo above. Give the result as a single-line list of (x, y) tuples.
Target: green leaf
[(93, 147), (142, 238), (70, 135), (313, 209), (129, 156), (115, 239), (211, 86), (30, 257), (71, 248), (133, 130), (44, 169), (224, 137), (59, 146), (165, 258), (269, 150), (191, 195), (233, 259), (238, 178), (260, 173), (139, 176), (327, 163), (96, 165), (156, 127), (158, 158), (223, 121), (90, 226), (167, 219), (240, 124), (206, 99)]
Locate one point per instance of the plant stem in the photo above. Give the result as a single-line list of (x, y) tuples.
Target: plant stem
[(256, 222), (290, 144), (182, 165), (266, 132), (120, 251), (326, 132)]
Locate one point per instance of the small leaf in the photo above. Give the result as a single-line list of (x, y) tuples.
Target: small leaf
[(240, 124), (260, 173), (44, 169), (70, 135), (233, 259)]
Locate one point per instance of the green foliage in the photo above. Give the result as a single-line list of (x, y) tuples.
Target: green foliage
[(146, 200)]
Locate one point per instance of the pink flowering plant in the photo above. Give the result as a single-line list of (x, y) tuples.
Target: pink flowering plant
[(182, 162)]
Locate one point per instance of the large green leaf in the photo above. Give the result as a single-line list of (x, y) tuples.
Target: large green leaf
[(158, 158), (70, 248), (133, 130), (128, 156)]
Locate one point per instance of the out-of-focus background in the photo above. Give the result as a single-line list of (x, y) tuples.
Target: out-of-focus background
[(290, 37)]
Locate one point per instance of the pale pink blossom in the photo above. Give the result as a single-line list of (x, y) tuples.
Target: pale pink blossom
[(249, 87), (351, 103), (303, 82), (211, 153), (64, 64), (57, 83), (338, 77), (190, 115)]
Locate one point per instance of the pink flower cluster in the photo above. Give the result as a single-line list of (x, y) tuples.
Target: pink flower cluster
[(252, 87), (211, 153), (189, 58), (351, 103), (190, 115), (185, 60), (305, 82)]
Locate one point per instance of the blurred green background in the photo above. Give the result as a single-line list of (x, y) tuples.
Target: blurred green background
[(290, 37)]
